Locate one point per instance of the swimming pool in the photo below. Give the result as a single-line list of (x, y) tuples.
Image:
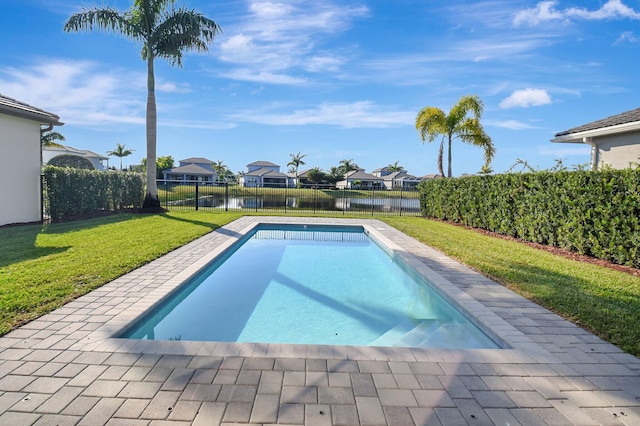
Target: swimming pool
[(310, 285)]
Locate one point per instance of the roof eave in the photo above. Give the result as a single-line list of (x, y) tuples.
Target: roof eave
[(51, 119), (578, 137)]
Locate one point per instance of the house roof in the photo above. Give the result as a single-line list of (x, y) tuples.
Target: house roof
[(619, 123), (191, 169), (196, 160), (16, 108), (266, 173), (262, 164), (357, 174), (400, 176), (63, 149)]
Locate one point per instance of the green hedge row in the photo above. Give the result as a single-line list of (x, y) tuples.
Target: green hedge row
[(592, 213), (72, 192)]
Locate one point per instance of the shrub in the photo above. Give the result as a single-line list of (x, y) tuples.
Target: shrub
[(592, 213), (73, 192)]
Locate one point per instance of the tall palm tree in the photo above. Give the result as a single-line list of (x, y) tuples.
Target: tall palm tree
[(49, 138), (296, 162), (164, 32), (395, 167), (463, 122), (120, 151), (348, 165)]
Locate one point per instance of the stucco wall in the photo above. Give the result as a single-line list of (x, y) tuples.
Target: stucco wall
[(619, 151), (20, 165)]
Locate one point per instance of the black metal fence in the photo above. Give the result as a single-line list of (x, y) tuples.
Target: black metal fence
[(228, 197)]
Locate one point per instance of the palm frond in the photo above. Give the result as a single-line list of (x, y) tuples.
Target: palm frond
[(106, 19)]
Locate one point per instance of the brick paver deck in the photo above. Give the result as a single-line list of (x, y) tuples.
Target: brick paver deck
[(66, 367)]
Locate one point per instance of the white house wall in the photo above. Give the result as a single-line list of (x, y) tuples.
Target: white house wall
[(20, 165), (619, 151)]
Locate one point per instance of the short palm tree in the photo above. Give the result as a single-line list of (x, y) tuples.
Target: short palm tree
[(296, 162), (49, 139), (120, 151), (164, 32), (463, 122), (221, 170), (335, 174), (316, 175)]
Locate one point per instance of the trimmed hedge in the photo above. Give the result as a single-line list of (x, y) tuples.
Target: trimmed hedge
[(592, 213), (73, 192)]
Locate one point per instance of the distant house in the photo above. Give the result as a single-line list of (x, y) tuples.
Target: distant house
[(302, 179), (263, 174), (51, 153), (614, 141), (195, 169), (397, 180), (21, 126), (358, 179)]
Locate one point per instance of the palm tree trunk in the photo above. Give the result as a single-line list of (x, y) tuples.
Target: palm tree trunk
[(151, 200), (449, 155)]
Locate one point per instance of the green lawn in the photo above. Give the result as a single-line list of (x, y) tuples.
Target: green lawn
[(43, 267), (601, 300)]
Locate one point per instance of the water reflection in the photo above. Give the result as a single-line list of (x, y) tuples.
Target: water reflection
[(410, 205)]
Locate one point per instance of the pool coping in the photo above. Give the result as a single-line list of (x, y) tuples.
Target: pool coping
[(185, 265)]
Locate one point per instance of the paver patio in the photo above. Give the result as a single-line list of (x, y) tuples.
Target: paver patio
[(67, 368)]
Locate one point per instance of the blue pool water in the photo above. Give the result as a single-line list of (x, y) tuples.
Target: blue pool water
[(310, 285)]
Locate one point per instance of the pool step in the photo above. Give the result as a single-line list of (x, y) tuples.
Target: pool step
[(457, 336), (420, 333), (392, 336)]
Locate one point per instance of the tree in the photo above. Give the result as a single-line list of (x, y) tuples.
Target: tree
[(395, 167), (120, 151), (316, 175), (162, 163), (73, 161), (347, 166), (462, 122), (485, 170), (164, 32), (296, 162), (222, 171), (335, 175), (49, 138)]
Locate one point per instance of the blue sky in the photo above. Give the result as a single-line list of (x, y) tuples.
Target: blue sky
[(335, 79)]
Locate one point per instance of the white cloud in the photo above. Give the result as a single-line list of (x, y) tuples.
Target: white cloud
[(544, 11), (280, 37), (627, 36), (511, 124), (362, 114), (87, 94), (266, 77), (547, 11), (80, 92), (170, 87), (526, 98)]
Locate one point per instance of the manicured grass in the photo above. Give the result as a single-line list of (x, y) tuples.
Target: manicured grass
[(44, 266), (601, 300)]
